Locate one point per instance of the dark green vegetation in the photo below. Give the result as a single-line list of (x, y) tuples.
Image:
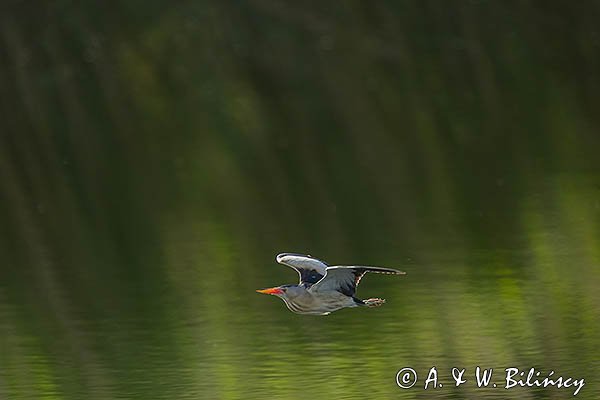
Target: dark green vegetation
[(155, 156)]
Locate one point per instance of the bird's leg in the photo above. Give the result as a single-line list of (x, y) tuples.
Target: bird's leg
[(375, 302)]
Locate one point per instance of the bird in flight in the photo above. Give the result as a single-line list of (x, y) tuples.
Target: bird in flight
[(323, 289)]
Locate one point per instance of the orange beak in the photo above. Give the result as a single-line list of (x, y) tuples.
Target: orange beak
[(271, 291)]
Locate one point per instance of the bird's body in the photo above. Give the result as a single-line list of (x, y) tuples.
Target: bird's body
[(323, 289)]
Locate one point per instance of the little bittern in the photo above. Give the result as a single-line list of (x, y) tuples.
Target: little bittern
[(323, 289)]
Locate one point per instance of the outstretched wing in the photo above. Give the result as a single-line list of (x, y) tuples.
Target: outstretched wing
[(345, 279), (310, 269)]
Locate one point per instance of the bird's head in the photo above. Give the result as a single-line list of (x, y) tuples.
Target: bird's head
[(279, 291)]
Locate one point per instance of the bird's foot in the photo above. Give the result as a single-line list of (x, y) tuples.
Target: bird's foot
[(375, 302)]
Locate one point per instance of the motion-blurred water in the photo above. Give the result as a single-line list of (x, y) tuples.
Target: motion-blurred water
[(155, 157)]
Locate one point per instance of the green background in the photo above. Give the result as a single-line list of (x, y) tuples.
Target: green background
[(155, 156)]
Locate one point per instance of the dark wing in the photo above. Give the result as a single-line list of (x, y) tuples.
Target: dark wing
[(310, 269), (345, 279)]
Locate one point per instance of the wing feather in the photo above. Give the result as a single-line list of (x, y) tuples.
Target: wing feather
[(345, 278), (310, 269)]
